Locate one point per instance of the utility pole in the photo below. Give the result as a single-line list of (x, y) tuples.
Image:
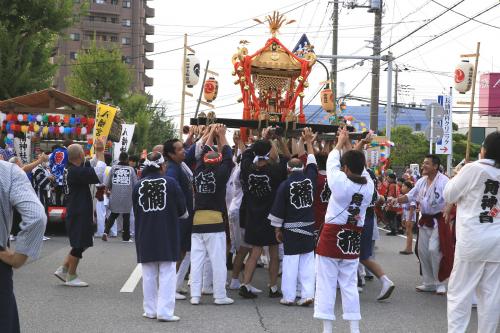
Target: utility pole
[(376, 69), (335, 36), (395, 108)]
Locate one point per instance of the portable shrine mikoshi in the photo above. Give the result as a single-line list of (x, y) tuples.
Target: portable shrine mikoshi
[(271, 81)]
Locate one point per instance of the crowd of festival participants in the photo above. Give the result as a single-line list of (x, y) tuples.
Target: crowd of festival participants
[(307, 209)]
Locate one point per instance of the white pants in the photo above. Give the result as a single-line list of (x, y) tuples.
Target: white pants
[(299, 266), (132, 222), (329, 271), (208, 275), (429, 254), (100, 211), (183, 269), (236, 233), (158, 285), (467, 277), (212, 245)]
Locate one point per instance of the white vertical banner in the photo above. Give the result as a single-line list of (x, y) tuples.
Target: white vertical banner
[(415, 170), (22, 148), (125, 140), (444, 146)]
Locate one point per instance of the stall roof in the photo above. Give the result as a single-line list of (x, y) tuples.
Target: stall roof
[(47, 101)]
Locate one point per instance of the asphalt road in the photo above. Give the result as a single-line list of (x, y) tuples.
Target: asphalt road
[(45, 305)]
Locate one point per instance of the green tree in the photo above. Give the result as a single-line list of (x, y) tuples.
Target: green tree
[(408, 147), (28, 34), (152, 125), (100, 74), (412, 147)]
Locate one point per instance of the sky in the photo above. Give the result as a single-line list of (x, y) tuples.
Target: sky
[(429, 69)]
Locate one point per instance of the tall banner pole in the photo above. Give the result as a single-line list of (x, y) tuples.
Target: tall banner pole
[(183, 98), (469, 134)]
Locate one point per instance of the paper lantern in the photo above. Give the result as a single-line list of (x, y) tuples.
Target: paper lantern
[(84, 130), (83, 121), (463, 76), (67, 130), (90, 122), (25, 117), (210, 89), (78, 130), (192, 70), (72, 121), (39, 118), (31, 128), (8, 126), (19, 117), (45, 118), (61, 129), (24, 129), (57, 119), (327, 100), (36, 128), (73, 130), (10, 136), (45, 131), (66, 119)]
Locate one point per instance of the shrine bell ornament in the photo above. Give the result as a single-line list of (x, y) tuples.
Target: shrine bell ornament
[(327, 100), (463, 76), (192, 70), (210, 89)]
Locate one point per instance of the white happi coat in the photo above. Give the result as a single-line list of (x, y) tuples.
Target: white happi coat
[(475, 191), (430, 199)]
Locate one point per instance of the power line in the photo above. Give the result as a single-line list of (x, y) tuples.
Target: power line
[(422, 26), (454, 11), (449, 30), (191, 45)]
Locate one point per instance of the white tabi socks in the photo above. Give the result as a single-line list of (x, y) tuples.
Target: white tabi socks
[(354, 326)]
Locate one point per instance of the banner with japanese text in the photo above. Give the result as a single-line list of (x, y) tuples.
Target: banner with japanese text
[(444, 145), (105, 114), (125, 139), (22, 147)]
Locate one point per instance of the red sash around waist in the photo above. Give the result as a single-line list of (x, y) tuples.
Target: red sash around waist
[(339, 241), (428, 220)]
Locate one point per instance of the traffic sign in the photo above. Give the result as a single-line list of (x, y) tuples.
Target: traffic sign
[(434, 112), (437, 133)]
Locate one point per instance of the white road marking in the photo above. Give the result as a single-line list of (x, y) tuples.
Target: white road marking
[(397, 235), (133, 280)]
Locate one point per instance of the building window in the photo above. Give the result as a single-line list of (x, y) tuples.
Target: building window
[(126, 3), (74, 36), (100, 2), (114, 19), (114, 2), (125, 40), (73, 55), (418, 127), (127, 59), (91, 18), (126, 23), (102, 18), (114, 39)]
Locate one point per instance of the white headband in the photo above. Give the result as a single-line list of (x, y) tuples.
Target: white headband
[(260, 158), (156, 163), (296, 169)]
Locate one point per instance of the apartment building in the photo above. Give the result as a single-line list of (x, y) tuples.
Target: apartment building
[(119, 23)]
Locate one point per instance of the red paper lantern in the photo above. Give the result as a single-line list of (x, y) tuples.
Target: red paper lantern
[(57, 119), (51, 119), (210, 89), (83, 121), (25, 117), (78, 130), (31, 128), (66, 119), (91, 122)]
